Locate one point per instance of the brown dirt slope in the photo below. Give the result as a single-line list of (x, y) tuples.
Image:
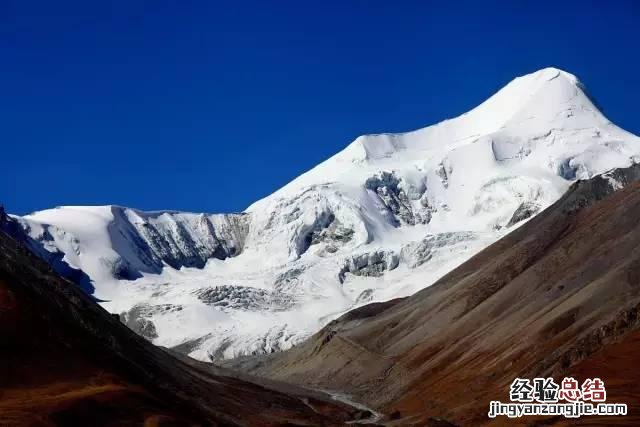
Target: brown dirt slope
[(559, 295), (66, 361)]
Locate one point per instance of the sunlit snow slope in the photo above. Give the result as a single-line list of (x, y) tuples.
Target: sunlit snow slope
[(383, 218)]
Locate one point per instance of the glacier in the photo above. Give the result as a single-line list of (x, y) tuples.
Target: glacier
[(385, 217)]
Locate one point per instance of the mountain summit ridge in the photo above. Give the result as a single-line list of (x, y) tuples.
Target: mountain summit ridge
[(384, 218), (555, 90)]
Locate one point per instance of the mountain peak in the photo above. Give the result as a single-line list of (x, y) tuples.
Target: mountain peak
[(549, 98), (544, 108), (550, 73), (542, 96), (423, 201)]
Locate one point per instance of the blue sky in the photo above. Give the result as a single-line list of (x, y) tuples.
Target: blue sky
[(208, 106)]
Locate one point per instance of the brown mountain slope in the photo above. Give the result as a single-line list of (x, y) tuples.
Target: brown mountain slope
[(559, 295), (66, 361)]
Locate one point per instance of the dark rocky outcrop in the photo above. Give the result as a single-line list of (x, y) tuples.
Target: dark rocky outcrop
[(525, 211), (138, 318)]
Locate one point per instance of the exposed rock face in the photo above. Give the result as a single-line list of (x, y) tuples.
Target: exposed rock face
[(178, 240), (393, 196), (444, 171), (553, 298), (369, 264), (386, 186), (138, 318), (525, 210)]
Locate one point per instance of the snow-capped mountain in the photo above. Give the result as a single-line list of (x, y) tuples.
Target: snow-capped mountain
[(383, 218)]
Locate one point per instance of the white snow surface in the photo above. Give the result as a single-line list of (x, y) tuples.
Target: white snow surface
[(385, 217)]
